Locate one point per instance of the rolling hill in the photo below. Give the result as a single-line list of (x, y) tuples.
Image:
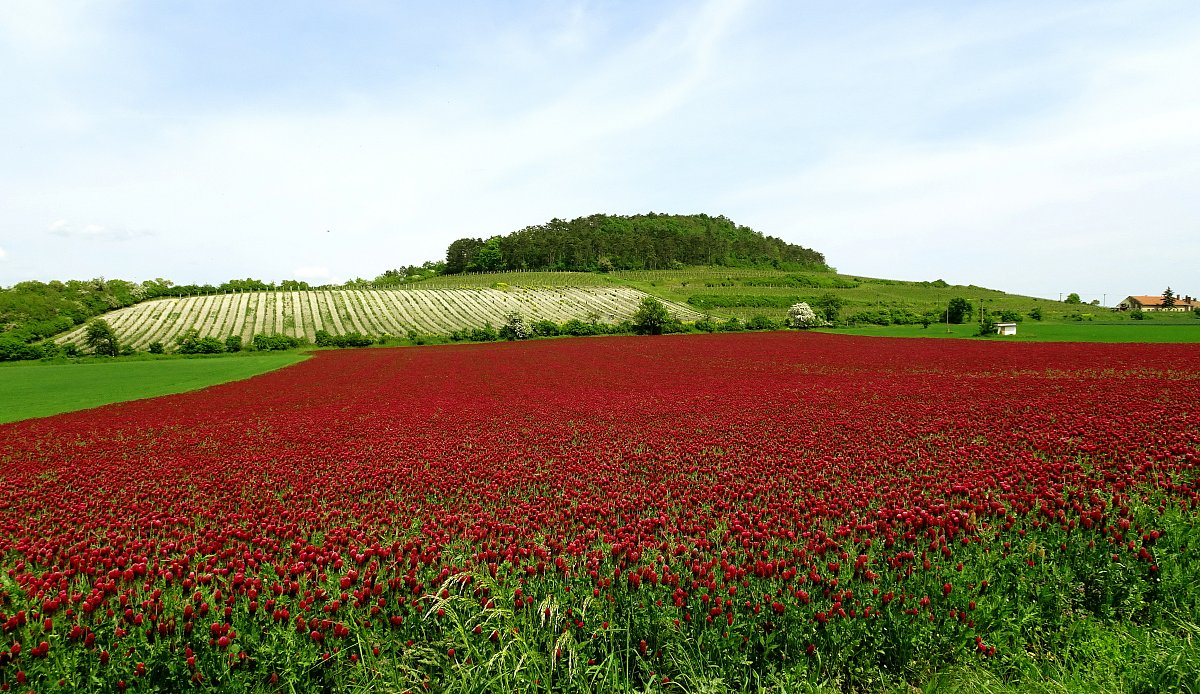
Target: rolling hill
[(376, 312)]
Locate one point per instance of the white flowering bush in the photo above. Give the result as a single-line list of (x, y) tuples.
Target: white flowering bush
[(801, 315), (515, 328)]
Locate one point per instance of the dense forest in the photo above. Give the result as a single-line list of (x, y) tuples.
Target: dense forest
[(639, 242)]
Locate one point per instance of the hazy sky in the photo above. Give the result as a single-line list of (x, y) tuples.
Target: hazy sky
[(1036, 147)]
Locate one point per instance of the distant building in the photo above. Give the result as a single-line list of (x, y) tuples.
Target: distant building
[(1006, 328), (1155, 303)]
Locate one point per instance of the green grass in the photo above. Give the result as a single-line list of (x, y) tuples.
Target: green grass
[(1030, 331), (34, 389)]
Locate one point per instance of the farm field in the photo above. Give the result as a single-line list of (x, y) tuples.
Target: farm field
[(1166, 330), (374, 312), (745, 292), (778, 511), (39, 390)]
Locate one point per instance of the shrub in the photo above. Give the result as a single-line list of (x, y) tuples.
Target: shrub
[(625, 328), (1137, 314), (705, 325), (732, 325), (651, 317), (802, 316), (101, 338), (578, 328), (13, 349), (514, 328), (1035, 313), (828, 306), (233, 343), (762, 323), (485, 334), (274, 342), (191, 343), (70, 349), (545, 328), (156, 348), (958, 310), (1009, 315)]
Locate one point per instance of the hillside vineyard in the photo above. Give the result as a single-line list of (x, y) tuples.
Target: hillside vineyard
[(368, 311)]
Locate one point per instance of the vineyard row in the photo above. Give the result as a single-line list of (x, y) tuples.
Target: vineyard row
[(368, 311)]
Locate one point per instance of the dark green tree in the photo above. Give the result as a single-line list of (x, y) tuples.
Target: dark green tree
[(101, 338), (489, 257), (958, 310), (651, 318), (461, 254), (828, 306), (1168, 298), (1073, 298)]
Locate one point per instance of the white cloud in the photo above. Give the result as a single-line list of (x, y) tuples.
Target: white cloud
[(96, 232)]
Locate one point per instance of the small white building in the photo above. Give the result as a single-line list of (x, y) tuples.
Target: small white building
[(1006, 328)]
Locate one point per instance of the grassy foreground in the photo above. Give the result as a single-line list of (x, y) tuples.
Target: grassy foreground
[(40, 390)]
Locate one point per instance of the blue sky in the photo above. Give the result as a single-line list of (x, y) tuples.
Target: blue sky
[(1035, 147)]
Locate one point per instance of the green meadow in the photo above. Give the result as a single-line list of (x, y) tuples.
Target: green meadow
[(37, 389)]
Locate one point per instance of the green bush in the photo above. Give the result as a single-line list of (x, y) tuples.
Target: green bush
[(958, 310), (545, 328), (578, 328), (12, 349), (156, 348), (1137, 314), (233, 343), (763, 323), (485, 334), (265, 343), (651, 317), (1035, 313), (191, 343)]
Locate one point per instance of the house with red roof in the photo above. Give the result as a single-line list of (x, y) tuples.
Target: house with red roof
[(1155, 303)]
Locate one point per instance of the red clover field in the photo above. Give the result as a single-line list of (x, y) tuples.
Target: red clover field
[(679, 513)]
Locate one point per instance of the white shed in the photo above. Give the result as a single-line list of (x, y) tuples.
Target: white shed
[(1006, 328)]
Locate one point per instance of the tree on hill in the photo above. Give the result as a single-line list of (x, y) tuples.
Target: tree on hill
[(613, 242), (651, 317), (958, 310), (1168, 298), (101, 339), (1072, 298)]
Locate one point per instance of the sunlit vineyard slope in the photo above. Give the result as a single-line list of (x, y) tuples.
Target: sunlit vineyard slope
[(368, 311)]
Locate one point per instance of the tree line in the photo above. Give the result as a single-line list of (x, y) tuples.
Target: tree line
[(639, 242)]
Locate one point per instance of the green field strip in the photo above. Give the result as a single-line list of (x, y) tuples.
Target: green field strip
[(40, 390)]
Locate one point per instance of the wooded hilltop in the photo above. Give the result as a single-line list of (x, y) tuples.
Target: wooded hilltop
[(602, 242)]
